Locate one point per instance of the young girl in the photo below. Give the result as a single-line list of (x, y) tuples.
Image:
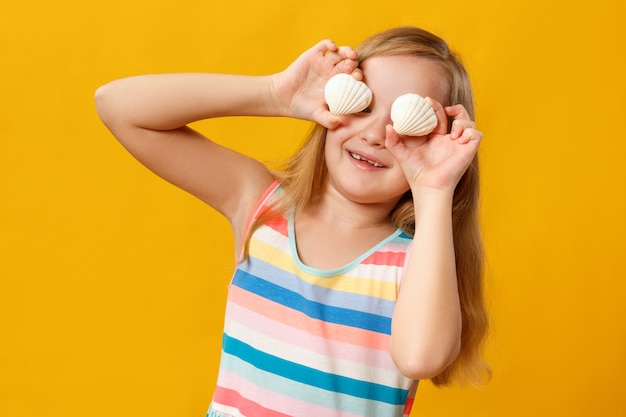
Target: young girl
[(359, 264)]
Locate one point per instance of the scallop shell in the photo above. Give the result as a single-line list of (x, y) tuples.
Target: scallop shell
[(412, 115), (345, 95)]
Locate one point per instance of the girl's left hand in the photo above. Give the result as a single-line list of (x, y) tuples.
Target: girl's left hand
[(439, 160)]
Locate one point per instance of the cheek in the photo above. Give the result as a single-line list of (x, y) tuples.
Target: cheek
[(349, 126), (335, 148), (330, 145), (334, 141)]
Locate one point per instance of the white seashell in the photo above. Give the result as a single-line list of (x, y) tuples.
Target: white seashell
[(412, 115), (345, 95)]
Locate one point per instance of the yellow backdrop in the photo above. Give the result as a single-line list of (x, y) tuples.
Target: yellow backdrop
[(112, 282)]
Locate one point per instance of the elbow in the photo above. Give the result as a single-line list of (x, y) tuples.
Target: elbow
[(112, 103), (100, 95), (425, 363), (420, 369), (102, 99)]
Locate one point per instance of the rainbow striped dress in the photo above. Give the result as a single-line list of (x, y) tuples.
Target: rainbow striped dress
[(303, 342)]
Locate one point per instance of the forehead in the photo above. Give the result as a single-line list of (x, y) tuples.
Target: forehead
[(391, 76)]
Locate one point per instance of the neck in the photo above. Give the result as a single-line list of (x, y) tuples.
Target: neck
[(333, 208), (333, 231)]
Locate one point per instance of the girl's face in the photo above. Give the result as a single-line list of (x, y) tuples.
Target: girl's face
[(359, 166)]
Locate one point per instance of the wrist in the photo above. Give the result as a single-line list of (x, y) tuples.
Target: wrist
[(434, 201), (279, 94), (428, 195)]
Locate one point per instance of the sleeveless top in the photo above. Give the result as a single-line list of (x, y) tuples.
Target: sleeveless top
[(304, 342)]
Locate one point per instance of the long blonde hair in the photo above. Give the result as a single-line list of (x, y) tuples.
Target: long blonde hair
[(303, 175)]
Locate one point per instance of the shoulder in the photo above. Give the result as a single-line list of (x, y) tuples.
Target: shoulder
[(254, 209)]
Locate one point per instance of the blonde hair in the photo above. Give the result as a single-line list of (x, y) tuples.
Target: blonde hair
[(303, 176)]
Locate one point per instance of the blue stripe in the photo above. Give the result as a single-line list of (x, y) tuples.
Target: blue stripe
[(314, 377), (307, 393), (320, 311), (403, 236), (331, 297)]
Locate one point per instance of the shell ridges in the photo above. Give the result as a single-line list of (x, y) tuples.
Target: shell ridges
[(345, 95), (412, 115)]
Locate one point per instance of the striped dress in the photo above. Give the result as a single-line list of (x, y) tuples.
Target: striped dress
[(304, 342)]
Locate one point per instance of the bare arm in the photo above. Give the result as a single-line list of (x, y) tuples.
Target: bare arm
[(426, 326), (427, 318), (149, 116)]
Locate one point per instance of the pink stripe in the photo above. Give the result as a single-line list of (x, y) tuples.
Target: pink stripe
[(386, 258), (279, 224), (246, 407), (298, 337), (280, 404), (330, 331)]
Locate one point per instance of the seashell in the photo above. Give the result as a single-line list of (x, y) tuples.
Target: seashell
[(345, 95), (412, 115)]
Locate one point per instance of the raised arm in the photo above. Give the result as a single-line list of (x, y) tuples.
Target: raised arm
[(149, 116), (427, 322)]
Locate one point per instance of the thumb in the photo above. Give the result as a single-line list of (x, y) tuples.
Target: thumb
[(392, 139)]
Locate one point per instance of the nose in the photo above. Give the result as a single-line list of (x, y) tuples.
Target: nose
[(374, 131)]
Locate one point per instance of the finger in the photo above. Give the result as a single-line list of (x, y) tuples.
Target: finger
[(470, 135), (350, 61), (458, 126), (461, 121), (442, 118), (392, 139), (347, 52), (325, 46), (348, 66), (457, 112), (341, 52), (333, 57), (357, 74), (331, 121), (344, 59)]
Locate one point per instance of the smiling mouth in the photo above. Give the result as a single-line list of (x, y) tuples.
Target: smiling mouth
[(369, 161)]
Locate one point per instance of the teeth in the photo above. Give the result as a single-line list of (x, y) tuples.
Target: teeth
[(360, 158)]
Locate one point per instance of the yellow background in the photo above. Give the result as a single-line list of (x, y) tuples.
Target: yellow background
[(112, 282)]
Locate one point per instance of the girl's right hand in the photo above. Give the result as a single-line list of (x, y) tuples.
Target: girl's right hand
[(299, 90)]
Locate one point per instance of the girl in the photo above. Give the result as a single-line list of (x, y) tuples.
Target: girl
[(359, 263)]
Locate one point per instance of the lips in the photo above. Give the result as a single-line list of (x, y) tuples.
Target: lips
[(366, 160)]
